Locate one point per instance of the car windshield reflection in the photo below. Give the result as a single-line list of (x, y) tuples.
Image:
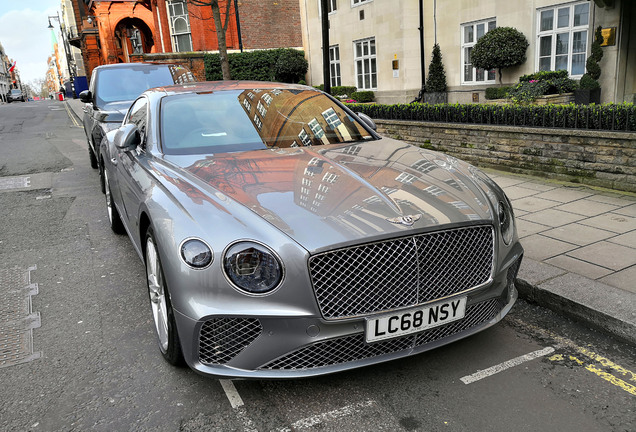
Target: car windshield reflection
[(235, 120)]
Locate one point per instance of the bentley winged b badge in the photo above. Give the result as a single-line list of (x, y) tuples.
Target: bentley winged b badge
[(407, 220)]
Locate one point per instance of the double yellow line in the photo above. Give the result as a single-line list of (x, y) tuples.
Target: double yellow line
[(620, 377), (71, 115)]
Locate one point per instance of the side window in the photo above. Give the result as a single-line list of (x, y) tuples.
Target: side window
[(138, 115)]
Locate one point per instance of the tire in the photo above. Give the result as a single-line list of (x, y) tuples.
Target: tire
[(102, 182), (92, 157), (162, 312), (113, 215)]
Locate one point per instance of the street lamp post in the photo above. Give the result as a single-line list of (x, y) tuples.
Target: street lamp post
[(67, 52)]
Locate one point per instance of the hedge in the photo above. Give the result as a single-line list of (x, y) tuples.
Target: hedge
[(615, 117), (282, 64)]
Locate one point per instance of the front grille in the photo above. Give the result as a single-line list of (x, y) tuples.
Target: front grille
[(351, 348), (402, 272), (222, 339)]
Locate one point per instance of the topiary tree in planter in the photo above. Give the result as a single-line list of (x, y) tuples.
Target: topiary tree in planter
[(500, 48), (436, 79), (589, 90)]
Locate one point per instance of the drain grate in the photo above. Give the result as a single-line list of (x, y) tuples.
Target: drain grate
[(17, 321), (14, 182)]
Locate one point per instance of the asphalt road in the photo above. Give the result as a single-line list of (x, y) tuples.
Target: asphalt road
[(96, 365)]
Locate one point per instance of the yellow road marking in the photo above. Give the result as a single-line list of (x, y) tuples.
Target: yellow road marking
[(612, 379), (70, 114), (603, 361)]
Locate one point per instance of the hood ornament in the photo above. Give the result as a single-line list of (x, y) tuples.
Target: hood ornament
[(407, 220)]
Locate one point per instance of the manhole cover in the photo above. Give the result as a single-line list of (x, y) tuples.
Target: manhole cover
[(14, 182), (17, 321)]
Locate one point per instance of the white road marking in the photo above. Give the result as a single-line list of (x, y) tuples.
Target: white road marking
[(232, 394), (237, 405), (506, 365), (346, 411)]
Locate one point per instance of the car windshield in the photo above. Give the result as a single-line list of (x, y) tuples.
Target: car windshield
[(127, 83), (235, 120), (16, 92)]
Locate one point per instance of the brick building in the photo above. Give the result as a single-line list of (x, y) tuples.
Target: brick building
[(122, 31)]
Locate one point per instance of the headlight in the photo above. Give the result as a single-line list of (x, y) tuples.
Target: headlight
[(252, 267), (506, 223), (196, 253)]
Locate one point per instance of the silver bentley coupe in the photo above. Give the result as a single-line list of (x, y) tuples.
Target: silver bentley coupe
[(283, 237)]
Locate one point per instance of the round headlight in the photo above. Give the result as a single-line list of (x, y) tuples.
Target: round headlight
[(252, 267), (506, 224), (196, 253)]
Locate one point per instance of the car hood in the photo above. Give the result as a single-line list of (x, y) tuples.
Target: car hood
[(113, 111), (343, 194)]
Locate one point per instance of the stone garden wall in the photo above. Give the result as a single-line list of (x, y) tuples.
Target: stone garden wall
[(597, 158)]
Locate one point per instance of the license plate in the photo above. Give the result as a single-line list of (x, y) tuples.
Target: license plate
[(414, 320)]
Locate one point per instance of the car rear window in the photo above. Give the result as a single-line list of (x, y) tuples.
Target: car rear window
[(126, 84), (240, 120)]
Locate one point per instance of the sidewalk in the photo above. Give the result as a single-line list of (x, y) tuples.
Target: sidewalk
[(580, 248)]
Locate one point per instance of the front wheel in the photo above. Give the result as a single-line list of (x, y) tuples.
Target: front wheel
[(162, 312)]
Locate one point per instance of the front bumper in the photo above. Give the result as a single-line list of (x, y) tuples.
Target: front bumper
[(275, 347)]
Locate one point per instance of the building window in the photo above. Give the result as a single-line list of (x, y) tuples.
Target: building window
[(316, 128), (179, 25), (365, 63), (359, 2), (562, 32), (304, 138), (258, 122), (331, 118), (334, 64), (261, 109), (267, 98), (471, 33)]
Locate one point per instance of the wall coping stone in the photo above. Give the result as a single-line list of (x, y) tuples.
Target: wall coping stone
[(517, 129)]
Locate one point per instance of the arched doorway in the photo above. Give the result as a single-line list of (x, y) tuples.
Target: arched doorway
[(132, 36)]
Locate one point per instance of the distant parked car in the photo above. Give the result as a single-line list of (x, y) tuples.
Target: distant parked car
[(113, 88), (284, 238), (15, 95)]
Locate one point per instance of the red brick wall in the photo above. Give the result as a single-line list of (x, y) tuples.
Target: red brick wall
[(270, 23)]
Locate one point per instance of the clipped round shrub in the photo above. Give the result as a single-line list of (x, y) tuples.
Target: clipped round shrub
[(500, 48), (291, 66)]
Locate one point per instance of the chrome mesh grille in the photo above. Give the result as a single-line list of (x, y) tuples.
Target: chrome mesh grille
[(403, 272), (352, 348), (222, 339)]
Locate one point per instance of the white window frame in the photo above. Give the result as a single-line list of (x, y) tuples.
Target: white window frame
[(172, 19), (334, 65), (488, 24), (356, 3), (367, 61), (560, 29)]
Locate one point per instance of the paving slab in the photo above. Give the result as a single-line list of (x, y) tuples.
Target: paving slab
[(587, 207), (624, 279), (579, 267), (539, 247), (564, 194), (553, 218), (578, 234), (532, 204), (526, 228), (613, 222), (606, 254), (627, 239)]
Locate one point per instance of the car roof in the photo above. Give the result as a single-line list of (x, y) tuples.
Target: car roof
[(212, 86), (128, 65)]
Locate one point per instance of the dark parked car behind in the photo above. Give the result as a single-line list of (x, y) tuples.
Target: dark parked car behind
[(15, 95), (112, 90)]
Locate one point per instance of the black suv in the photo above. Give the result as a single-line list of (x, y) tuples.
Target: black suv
[(114, 88)]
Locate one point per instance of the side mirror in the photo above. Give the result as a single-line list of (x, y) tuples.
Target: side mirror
[(367, 120), (127, 137), (86, 96)]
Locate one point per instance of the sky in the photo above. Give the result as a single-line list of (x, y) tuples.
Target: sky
[(25, 35)]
